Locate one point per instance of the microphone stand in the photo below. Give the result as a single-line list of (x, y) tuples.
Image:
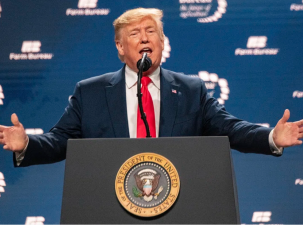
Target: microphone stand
[(139, 95)]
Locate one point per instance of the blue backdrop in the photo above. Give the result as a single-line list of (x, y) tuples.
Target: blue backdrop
[(248, 52)]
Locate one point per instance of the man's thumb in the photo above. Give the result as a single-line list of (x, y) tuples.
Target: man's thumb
[(15, 120), (285, 116)]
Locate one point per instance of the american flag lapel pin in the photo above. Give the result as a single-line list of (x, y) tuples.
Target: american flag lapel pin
[(174, 91)]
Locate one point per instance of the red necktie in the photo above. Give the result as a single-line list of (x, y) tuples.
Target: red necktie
[(148, 107)]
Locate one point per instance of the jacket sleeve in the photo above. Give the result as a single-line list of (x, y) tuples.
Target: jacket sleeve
[(51, 147), (243, 136)]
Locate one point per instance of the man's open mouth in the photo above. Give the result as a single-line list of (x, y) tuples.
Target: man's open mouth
[(147, 50)]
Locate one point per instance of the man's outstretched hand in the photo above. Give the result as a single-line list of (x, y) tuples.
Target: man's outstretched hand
[(287, 134), (13, 138)]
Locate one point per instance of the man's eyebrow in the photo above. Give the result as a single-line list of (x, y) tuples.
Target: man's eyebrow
[(134, 29)]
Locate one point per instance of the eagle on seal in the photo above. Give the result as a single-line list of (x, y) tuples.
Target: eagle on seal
[(147, 181)]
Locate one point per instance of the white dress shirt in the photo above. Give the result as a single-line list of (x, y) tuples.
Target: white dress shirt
[(132, 100)]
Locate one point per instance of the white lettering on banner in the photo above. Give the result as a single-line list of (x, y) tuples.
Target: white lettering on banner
[(86, 8), (194, 1), (87, 12), (299, 181), (1, 95), (255, 46), (200, 9), (297, 94), (166, 50), (34, 220), (29, 51), (34, 131), (2, 183), (296, 7), (261, 216), (213, 82)]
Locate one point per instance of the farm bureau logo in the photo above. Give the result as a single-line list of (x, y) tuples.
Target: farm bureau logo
[(34, 220), (261, 216), (297, 94), (30, 51), (166, 50), (256, 46), (203, 10), (217, 87), (299, 181), (87, 8), (1, 95), (296, 7), (2, 183)]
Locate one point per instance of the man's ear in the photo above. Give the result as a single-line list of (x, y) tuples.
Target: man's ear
[(162, 43), (119, 46)]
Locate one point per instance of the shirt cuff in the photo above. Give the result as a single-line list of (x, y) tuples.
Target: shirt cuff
[(274, 149), (20, 155)]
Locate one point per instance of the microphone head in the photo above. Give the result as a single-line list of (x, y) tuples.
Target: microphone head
[(147, 63)]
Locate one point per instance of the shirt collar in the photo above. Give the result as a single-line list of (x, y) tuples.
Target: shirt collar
[(131, 77)]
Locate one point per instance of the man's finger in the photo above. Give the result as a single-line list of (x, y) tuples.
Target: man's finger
[(285, 117), (15, 120), (300, 136), (2, 128), (299, 123), (299, 142)]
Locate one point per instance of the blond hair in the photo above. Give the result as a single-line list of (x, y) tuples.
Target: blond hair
[(134, 16)]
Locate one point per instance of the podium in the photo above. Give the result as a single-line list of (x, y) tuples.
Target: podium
[(207, 192)]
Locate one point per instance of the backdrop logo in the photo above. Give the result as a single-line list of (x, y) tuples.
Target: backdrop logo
[(87, 3), (87, 8), (297, 94), (217, 87), (166, 50), (261, 216), (256, 46), (299, 181), (206, 11), (34, 220), (30, 51), (1, 95), (296, 7), (2, 183), (34, 131)]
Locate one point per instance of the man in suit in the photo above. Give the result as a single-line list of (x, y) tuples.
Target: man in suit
[(106, 106)]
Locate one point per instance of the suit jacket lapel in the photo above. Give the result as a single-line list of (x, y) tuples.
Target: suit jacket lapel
[(169, 91), (116, 101)]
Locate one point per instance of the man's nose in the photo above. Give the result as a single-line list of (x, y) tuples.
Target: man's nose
[(144, 37)]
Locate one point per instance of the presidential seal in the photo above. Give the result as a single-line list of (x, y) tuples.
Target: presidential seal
[(147, 184)]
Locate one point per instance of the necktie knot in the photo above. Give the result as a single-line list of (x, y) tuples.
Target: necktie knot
[(145, 81)]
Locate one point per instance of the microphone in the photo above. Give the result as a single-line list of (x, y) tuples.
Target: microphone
[(144, 63)]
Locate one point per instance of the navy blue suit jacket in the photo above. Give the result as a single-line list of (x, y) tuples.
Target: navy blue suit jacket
[(97, 109)]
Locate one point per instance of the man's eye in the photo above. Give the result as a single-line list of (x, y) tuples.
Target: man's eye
[(133, 34)]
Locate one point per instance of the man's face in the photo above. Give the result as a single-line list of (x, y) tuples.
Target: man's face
[(138, 38)]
